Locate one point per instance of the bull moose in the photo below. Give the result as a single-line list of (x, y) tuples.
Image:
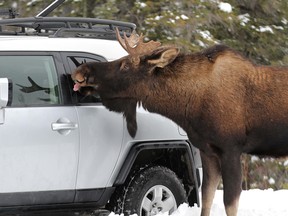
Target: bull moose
[(225, 103)]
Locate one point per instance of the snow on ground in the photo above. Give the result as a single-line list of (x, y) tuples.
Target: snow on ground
[(226, 7), (252, 203)]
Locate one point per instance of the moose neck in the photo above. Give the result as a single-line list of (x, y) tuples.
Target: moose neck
[(167, 93)]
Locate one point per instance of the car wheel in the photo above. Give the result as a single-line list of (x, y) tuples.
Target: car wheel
[(149, 191)]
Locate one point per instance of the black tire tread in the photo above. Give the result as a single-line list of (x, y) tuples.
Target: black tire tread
[(124, 199)]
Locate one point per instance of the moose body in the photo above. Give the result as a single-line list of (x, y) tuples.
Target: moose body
[(225, 103)]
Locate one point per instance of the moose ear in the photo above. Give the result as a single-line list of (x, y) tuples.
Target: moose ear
[(165, 57)]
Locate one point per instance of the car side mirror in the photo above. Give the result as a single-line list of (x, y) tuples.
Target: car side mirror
[(5, 92)]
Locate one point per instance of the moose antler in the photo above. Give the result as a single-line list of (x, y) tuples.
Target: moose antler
[(134, 45)]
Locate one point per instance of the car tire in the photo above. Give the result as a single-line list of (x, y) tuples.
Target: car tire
[(149, 191)]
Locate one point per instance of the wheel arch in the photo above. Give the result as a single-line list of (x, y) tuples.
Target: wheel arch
[(175, 155)]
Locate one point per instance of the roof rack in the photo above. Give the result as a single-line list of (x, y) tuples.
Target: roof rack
[(64, 27)]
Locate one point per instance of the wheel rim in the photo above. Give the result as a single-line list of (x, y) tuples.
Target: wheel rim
[(158, 199)]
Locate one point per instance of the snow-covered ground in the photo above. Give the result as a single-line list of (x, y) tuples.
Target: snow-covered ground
[(252, 203)]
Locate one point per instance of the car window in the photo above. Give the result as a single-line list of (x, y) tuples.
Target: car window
[(34, 79), (75, 61)]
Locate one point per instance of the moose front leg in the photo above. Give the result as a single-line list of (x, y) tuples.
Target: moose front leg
[(211, 178), (232, 181)]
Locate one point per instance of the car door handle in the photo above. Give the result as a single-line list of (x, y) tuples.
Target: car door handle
[(64, 126)]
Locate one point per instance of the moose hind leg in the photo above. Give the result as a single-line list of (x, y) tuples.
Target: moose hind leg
[(232, 181), (211, 178)]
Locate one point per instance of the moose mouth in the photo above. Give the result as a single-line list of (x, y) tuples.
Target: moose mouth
[(76, 87)]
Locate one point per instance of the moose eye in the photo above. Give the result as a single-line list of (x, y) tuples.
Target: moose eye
[(80, 82)]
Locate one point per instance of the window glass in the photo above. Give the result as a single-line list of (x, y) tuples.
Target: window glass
[(34, 79), (75, 61)]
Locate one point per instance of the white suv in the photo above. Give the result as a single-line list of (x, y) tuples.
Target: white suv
[(60, 149)]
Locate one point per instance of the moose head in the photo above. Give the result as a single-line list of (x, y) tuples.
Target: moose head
[(113, 77)]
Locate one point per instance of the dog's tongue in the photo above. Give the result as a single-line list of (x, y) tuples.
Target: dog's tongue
[(76, 87)]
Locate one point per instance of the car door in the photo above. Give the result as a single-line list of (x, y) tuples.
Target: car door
[(39, 136), (101, 133)]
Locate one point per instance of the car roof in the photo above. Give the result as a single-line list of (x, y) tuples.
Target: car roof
[(109, 49), (71, 34)]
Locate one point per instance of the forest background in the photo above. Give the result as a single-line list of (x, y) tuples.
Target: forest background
[(256, 28)]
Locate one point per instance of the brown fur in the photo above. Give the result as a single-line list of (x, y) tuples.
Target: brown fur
[(225, 103)]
